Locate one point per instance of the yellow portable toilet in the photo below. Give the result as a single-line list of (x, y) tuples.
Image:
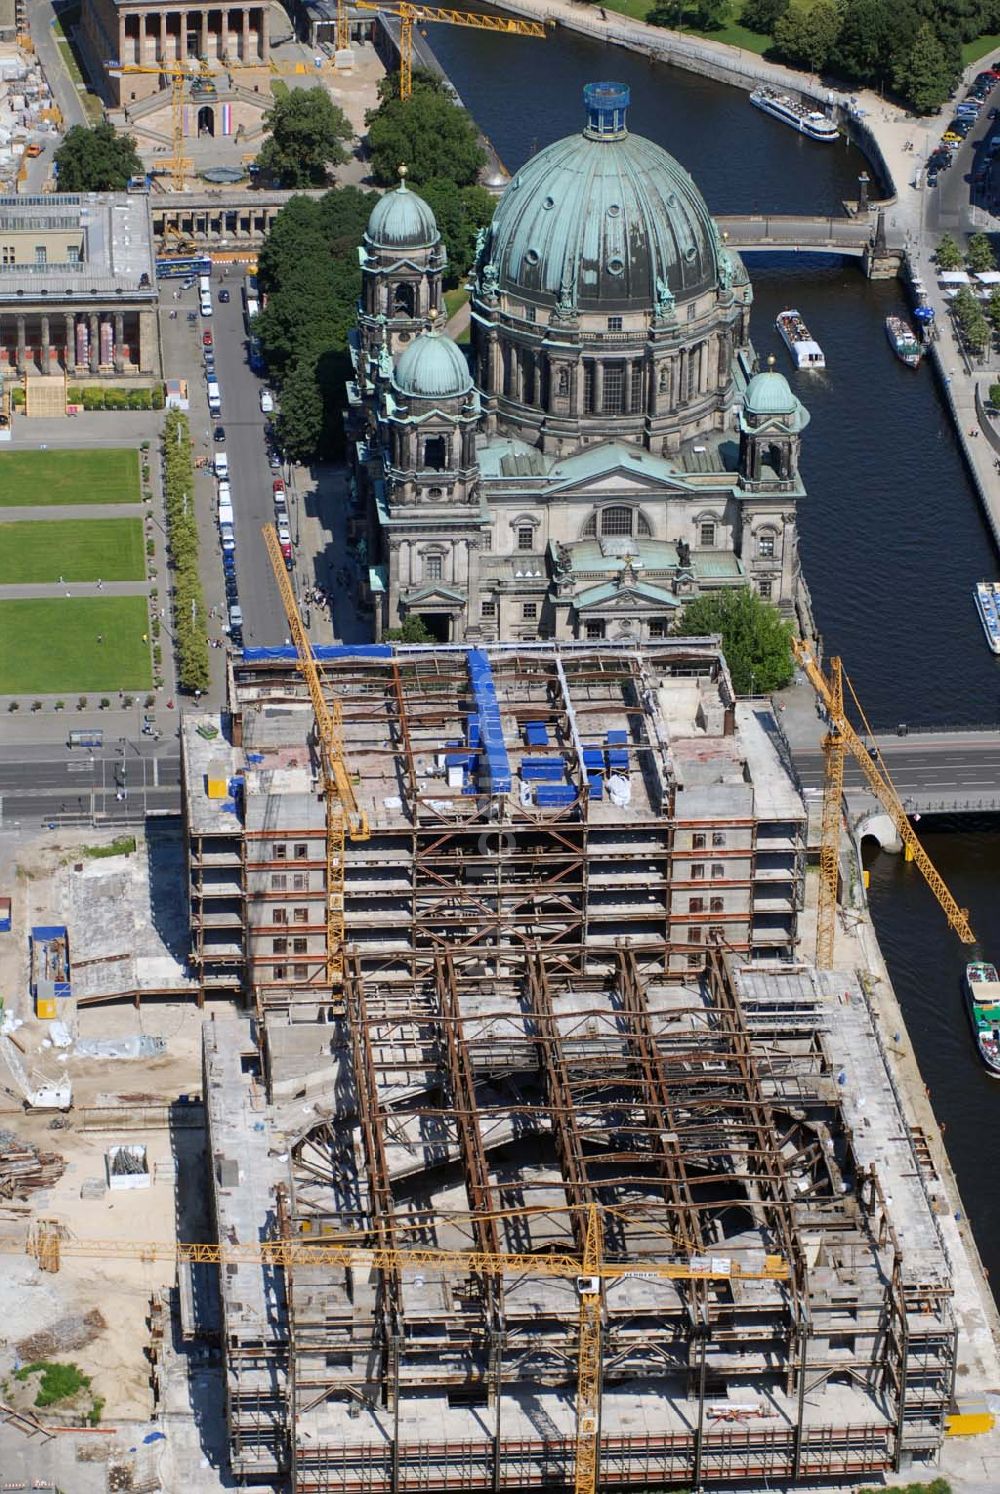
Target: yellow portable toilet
[(217, 780), (45, 1008)]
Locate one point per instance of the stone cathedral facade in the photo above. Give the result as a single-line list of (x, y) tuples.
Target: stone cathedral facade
[(604, 449)]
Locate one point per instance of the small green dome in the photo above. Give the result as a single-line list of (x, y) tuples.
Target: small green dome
[(768, 394), (402, 220), (432, 367)]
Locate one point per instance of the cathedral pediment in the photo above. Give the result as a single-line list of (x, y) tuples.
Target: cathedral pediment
[(625, 596), (614, 471)]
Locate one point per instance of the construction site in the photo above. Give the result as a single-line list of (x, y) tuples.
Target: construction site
[(538, 1155)]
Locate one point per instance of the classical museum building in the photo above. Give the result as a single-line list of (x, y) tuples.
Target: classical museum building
[(606, 451)]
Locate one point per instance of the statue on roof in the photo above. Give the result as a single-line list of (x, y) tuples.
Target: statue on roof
[(482, 234), (385, 356), (665, 300), (489, 279)]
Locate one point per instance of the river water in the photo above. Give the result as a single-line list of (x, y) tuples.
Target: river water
[(891, 533)]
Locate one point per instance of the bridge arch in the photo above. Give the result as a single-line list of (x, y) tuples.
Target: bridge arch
[(881, 828)]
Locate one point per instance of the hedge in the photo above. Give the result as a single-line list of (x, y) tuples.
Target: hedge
[(95, 397), (190, 620)]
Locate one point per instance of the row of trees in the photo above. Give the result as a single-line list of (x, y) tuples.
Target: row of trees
[(190, 621), (911, 47), (978, 257), (308, 267)]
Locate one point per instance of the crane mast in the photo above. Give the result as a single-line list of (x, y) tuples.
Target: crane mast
[(407, 14), (830, 694), (343, 814)]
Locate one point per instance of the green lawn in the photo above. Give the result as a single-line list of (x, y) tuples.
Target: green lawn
[(732, 33), (978, 47), (29, 478), (77, 549), (50, 646)]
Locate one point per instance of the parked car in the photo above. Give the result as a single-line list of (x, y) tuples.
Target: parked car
[(266, 401), (275, 459), (219, 434), (206, 338), (286, 550), (222, 466), (224, 297), (278, 487)]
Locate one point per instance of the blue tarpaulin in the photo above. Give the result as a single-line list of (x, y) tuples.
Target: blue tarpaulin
[(320, 651), (494, 761)]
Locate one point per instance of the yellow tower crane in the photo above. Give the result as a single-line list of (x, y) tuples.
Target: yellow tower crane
[(408, 14), (179, 73), (840, 739), (47, 1244), (343, 815)]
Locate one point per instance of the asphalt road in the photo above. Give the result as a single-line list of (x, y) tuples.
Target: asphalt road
[(250, 475), (936, 768), (72, 783), (953, 206)]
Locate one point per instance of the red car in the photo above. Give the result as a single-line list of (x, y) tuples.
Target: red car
[(206, 338), (278, 487)]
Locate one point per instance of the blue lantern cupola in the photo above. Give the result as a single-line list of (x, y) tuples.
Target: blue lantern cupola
[(607, 110)]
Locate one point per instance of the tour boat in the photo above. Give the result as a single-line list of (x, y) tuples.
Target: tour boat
[(790, 111), (904, 341), (988, 607), (982, 998), (799, 340)]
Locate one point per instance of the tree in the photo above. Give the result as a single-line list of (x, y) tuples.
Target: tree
[(96, 160), (306, 139), (807, 33), (763, 15), (708, 15), (755, 638), (948, 255), (460, 213), (979, 256), (434, 137), (993, 316), (972, 324), (865, 44), (413, 630), (926, 71)]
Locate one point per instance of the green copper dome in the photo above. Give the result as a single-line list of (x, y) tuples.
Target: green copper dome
[(432, 367), (769, 394), (402, 220), (602, 221)]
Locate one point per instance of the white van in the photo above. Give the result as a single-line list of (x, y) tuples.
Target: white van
[(225, 492), (221, 459), (226, 515), (206, 306), (205, 286), (228, 536), (214, 404), (266, 402)]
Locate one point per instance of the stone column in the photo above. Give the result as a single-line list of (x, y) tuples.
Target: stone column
[(20, 343), (598, 385), (119, 341), (69, 341), (244, 35), (682, 368), (95, 342), (627, 387), (147, 342), (46, 350), (265, 45)]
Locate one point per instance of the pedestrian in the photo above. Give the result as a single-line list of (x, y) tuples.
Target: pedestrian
[(145, 637), (100, 584), (62, 581), (100, 637)]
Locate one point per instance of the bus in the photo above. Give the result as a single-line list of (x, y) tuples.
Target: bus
[(183, 266)]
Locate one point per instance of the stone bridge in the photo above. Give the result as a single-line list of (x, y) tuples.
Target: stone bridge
[(223, 219), (939, 771)]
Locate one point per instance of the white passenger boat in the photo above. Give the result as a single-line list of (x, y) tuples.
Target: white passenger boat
[(791, 112), (988, 607), (799, 340)]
